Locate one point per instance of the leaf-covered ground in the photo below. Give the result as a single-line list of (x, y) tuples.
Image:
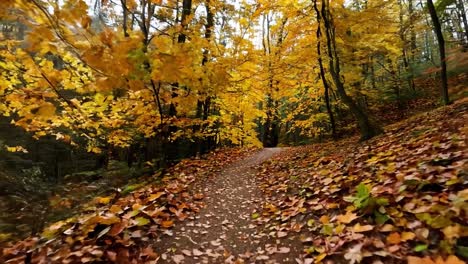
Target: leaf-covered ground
[(121, 228), (400, 197)]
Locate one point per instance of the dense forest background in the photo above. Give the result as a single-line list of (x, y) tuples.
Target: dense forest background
[(96, 93)]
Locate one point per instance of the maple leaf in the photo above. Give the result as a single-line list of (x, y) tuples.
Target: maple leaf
[(354, 254), (347, 218)]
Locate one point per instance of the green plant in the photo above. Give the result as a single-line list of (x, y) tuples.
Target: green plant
[(367, 204)]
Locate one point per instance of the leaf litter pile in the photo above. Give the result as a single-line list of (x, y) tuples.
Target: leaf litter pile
[(401, 197), (398, 198), (121, 229)]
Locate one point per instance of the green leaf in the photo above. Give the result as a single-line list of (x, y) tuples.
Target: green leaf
[(327, 230), (462, 251), (255, 215), (420, 248), (380, 218), (141, 221), (382, 201), (362, 191)]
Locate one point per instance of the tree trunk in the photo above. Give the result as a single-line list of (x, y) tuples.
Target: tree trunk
[(461, 10), (440, 40), (367, 126), (322, 72)]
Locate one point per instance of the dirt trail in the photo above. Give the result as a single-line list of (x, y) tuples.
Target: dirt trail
[(223, 231)]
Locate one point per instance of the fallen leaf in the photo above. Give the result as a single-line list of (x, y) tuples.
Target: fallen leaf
[(197, 252), (358, 228), (118, 228), (167, 224), (405, 236), (346, 218), (394, 238), (281, 234), (178, 258), (187, 252), (324, 219), (418, 260), (215, 243), (453, 260), (283, 250), (155, 196), (141, 221), (354, 254), (319, 258)]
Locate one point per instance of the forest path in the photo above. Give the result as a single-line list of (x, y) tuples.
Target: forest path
[(224, 230)]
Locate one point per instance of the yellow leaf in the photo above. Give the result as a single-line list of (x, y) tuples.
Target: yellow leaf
[(103, 200), (155, 196), (405, 236), (320, 257), (116, 209), (346, 218), (141, 221), (451, 232), (46, 110), (358, 228)]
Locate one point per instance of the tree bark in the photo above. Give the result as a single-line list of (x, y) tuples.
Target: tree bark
[(441, 41), (461, 9), (368, 127), (322, 72)]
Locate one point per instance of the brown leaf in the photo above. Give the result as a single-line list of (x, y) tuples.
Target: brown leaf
[(118, 228), (197, 252), (281, 234), (178, 258), (198, 196)]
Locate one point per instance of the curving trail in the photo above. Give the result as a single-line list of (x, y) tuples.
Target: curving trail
[(223, 231)]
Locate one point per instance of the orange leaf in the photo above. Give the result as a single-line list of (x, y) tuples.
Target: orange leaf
[(453, 260), (417, 260), (167, 224), (324, 219), (394, 238)]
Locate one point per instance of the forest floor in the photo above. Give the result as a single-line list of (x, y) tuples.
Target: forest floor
[(400, 197)]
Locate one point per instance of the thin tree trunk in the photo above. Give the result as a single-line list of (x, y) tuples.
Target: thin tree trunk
[(440, 40), (125, 17), (461, 10), (322, 72)]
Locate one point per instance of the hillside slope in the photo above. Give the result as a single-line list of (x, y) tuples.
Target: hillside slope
[(404, 193), (400, 197)]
